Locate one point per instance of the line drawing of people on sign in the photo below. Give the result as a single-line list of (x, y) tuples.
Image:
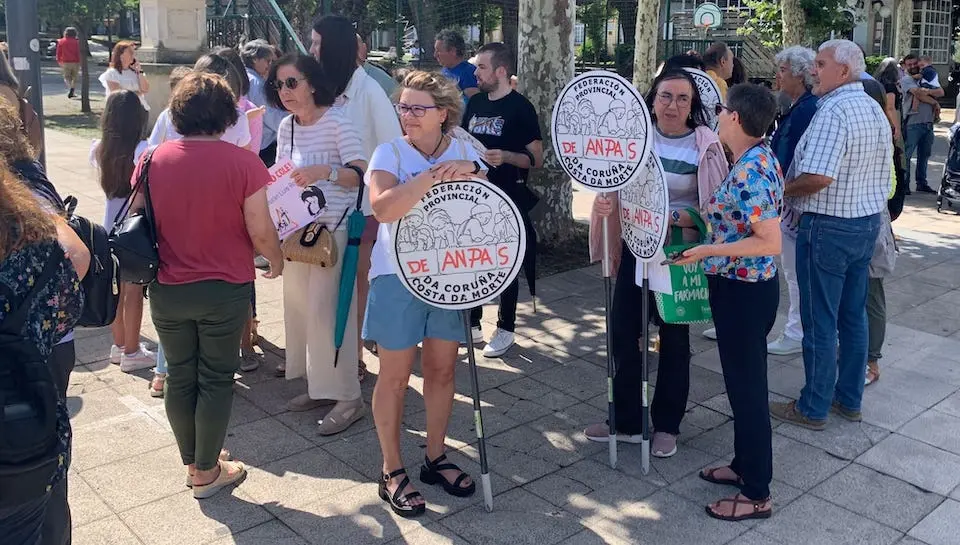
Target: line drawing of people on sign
[(413, 234), (444, 230), (565, 118), (472, 231), (504, 229), (588, 118), (610, 124), (313, 197), (283, 219)]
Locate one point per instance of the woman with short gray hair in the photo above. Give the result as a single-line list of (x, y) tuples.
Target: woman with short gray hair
[(794, 78)]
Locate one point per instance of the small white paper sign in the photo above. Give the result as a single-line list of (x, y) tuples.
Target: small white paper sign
[(709, 95), (21, 63), (291, 207), (462, 135), (657, 275)]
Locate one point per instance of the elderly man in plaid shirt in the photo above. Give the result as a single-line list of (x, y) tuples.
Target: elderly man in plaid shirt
[(842, 174)]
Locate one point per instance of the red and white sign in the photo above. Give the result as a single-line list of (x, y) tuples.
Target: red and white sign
[(291, 207), (601, 131), (460, 246), (644, 209)]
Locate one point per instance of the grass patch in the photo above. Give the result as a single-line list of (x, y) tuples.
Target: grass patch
[(79, 124), (572, 254)]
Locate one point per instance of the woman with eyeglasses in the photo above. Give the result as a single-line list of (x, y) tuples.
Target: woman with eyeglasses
[(322, 143), (694, 165), (401, 172), (744, 219)]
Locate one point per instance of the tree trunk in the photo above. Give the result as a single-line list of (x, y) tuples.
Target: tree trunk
[(424, 18), (545, 66), (793, 21), (84, 67), (645, 50), (903, 25), (510, 26)]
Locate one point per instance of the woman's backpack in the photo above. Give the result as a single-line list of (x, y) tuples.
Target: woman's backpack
[(101, 285), (29, 456)]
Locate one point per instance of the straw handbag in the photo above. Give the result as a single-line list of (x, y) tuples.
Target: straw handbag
[(314, 245)]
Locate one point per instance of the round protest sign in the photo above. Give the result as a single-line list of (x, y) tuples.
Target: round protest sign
[(709, 95), (460, 246), (644, 207), (601, 130)]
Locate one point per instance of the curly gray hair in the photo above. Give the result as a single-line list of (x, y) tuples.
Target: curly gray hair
[(799, 60)]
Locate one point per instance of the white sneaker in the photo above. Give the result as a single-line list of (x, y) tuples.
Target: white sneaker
[(785, 346), (142, 359), (501, 342), (710, 333), (477, 335), (115, 353)]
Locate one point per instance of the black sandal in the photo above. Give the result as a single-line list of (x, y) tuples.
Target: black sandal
[(430, 474), (398, 503), (708, 475)]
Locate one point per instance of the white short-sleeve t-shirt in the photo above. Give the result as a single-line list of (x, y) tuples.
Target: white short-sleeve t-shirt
[(237, 134), (402, 160), (128, 80)]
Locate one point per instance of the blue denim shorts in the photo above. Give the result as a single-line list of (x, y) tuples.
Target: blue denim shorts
[(397, 320)]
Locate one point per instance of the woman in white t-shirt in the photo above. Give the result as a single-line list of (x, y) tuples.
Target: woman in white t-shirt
[(237, 134), (326, 150), (125, 73), (400, 174)]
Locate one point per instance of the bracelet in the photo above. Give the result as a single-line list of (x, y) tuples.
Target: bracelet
[(476, 168)]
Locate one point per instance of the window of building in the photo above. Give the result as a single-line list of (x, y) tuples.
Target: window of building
[(931, 29), (882, 35)]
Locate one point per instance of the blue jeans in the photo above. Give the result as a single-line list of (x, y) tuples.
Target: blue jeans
[(833, 256), (919, 138), (161, 360)]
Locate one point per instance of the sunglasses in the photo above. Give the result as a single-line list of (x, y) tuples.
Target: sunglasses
[(719, 108), (290, 83), (417, 110)]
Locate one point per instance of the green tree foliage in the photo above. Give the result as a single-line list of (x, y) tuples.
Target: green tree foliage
[(822, 17)]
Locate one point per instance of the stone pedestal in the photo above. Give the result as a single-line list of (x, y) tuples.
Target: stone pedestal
[(172, 31)]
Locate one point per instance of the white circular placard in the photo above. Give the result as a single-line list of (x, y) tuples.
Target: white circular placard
[(709, 95), (460, 246), (601, 130), (644, 208)]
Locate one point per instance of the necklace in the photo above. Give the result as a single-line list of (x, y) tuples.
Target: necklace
[(428, 156)]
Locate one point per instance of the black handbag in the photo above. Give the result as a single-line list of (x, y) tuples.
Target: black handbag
[(133, 239)]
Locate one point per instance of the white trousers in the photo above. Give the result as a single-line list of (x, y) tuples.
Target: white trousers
[(310, 294), (793, 329)]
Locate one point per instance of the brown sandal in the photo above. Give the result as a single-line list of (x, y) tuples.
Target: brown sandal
[(709, 475), (736, 501)]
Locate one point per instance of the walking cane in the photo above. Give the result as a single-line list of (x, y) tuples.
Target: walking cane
[(645, 373), (477, 417), (607, 303)]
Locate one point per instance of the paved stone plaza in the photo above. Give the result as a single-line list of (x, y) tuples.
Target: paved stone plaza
[(895, 478)]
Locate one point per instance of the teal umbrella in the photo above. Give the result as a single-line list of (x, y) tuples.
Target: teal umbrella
[(348, 272)]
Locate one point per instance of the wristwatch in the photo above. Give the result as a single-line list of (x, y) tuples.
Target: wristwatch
[(334, 175), (476, 167), (675, 216)]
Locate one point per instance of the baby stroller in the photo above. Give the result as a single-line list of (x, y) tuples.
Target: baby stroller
[(949, 191)]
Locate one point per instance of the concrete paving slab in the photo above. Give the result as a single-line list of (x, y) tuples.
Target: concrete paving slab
[(915, 462), (940, 527), (812, 520)]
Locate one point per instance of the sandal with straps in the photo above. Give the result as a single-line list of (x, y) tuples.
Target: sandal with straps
[(430, 474), (738, 500), (709, 475), (400, 504)]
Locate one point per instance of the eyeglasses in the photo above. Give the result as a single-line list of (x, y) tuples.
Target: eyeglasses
[(290, 83), (666, 99), (719, 108), (417, 110)]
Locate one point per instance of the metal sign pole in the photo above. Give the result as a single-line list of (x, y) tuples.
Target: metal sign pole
[(24, 53), (611, 368), (645, 373), (477, 416)]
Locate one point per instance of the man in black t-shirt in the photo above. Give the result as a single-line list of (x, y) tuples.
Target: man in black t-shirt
[(506, 124)]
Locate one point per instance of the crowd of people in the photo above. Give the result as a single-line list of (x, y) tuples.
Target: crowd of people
[(814, 201)]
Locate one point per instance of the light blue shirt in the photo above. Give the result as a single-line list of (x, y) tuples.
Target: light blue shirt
[(272, 117)]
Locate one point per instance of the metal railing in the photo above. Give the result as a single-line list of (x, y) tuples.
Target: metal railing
[(232, 26)]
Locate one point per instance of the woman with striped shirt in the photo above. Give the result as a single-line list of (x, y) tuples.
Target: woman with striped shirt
[(694, 166), (323, 144)]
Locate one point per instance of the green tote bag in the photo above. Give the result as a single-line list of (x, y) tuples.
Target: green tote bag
[(690, 301)]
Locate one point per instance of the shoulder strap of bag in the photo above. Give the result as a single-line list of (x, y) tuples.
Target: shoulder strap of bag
[(13, 323), (697, 221), (141, 183)]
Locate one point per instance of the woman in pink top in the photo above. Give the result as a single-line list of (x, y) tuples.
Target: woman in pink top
[(254, 112), (206, 234)]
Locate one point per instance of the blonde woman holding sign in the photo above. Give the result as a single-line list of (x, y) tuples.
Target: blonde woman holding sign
[(694, 165), (401, 172)]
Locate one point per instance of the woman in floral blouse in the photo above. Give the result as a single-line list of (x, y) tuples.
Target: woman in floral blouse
[(29, 238), (743, 217)]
